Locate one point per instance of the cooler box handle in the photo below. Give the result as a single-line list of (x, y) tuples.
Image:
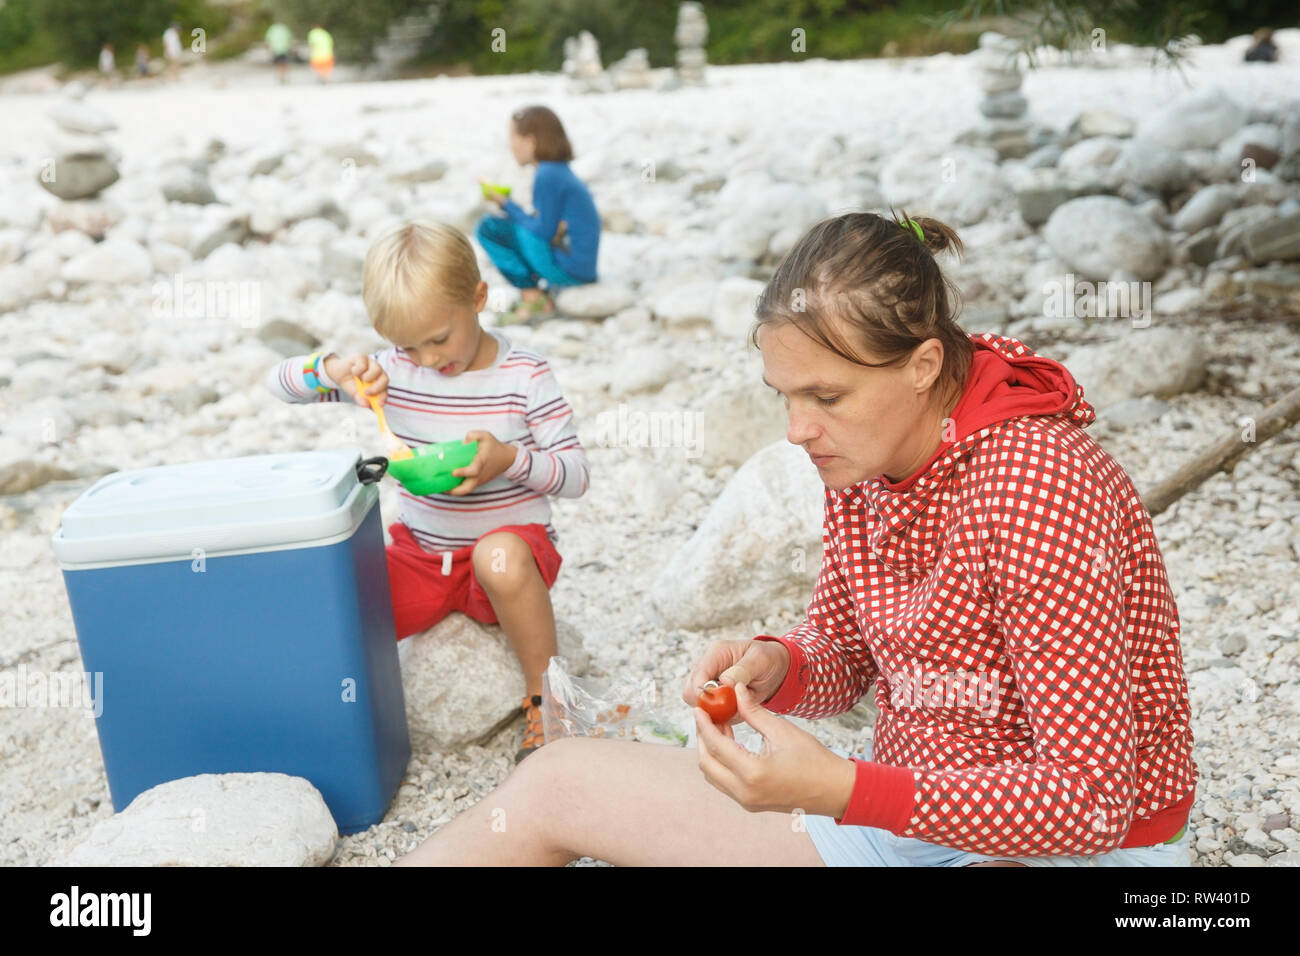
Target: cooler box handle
[(370, 470)]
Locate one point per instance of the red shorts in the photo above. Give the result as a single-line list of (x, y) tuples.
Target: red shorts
[(423, 595)]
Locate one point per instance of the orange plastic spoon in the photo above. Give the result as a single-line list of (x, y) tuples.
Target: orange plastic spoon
[(397, 448)]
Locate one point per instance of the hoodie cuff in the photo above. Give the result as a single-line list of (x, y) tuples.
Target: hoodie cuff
[(883, 797), (792, 689)]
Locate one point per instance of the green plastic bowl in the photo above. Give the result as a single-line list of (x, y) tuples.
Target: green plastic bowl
[(430, 471), (497, 188)]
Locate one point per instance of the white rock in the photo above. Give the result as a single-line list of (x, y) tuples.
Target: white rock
[(737, 419), (595, 300), (1177, 300), (1153, 361), (686, 303), (644, 368), (70, 243), (1090, 155), (94, 217), (760, 542), (81, 117), (265, 220), (1095, 122), (1150, 167), (1257, 134), (18, 287), (110, 351), (1205, 208), (11, 245), (169, 259), (733, 306), (229, 819), (313, 232), (1196, 120), (1098, 235), (780, 206), (113, 260), (911, 175), (976, 188), (461, 679)]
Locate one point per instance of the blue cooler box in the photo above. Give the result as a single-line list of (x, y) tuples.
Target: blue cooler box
[(240, 615)]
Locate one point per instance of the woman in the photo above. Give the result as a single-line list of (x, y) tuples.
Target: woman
[(987, 567)]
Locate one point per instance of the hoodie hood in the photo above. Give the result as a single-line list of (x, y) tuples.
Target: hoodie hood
[(1006, 380)]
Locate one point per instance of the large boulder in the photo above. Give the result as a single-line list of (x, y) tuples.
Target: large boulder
[(1154, 361), (228, 819), (759, 543), (1200, 120), (1097, 236), (462, 680), (735, 421)]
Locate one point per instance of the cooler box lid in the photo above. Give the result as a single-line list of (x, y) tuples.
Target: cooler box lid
[(170, 511)]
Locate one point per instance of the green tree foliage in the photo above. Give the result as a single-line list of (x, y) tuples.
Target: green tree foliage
[(1165, 25), (80, 27)]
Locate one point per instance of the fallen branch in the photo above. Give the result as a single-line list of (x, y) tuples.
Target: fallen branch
[(1224, 453)]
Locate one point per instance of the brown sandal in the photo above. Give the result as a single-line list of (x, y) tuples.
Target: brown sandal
[(534, 737)]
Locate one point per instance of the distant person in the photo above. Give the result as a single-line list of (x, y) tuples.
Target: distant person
[(142, 60), (321, 47), (280, 38), (172, 49), (107, 63), (556, 244), (1263, 50)]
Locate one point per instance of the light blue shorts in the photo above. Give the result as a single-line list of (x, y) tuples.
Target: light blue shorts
[(870, 846)]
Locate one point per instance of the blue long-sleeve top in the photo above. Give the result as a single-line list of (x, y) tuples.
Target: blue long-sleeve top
[(558, 195)]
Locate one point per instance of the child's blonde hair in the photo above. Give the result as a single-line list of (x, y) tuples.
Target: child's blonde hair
[(412, 264)]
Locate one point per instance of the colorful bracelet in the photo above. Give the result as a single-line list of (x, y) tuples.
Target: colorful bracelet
[(309, 372)]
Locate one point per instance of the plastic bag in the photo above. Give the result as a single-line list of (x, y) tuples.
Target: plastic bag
[(620, 708)]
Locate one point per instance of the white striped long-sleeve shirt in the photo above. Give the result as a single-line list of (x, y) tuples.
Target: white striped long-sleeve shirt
[(517, 399)]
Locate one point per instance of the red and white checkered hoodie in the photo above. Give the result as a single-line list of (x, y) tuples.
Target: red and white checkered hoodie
[(1010, 604)]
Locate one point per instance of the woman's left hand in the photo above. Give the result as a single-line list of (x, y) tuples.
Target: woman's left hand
[(492, 458), (793, 772)]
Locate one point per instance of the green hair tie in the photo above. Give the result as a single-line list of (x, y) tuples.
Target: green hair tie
[(916, 228)]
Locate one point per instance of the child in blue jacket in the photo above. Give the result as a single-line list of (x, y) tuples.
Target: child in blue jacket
[(558, 243)]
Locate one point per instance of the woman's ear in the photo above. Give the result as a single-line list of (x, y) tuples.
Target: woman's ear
[(927, 363)]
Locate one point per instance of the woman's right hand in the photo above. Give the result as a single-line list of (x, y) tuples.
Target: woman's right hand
[(759, 665), (346, 370)]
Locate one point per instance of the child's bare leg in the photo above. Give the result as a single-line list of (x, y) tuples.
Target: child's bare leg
[(530, 295), (624, 803), (504, 565)]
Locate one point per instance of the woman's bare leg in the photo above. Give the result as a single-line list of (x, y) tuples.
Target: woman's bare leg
[(624, 803)]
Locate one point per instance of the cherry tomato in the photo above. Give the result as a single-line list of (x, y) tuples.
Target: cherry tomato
[(718, 701)]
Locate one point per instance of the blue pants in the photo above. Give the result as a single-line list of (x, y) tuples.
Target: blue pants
[(868, 846), (523, 258)]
